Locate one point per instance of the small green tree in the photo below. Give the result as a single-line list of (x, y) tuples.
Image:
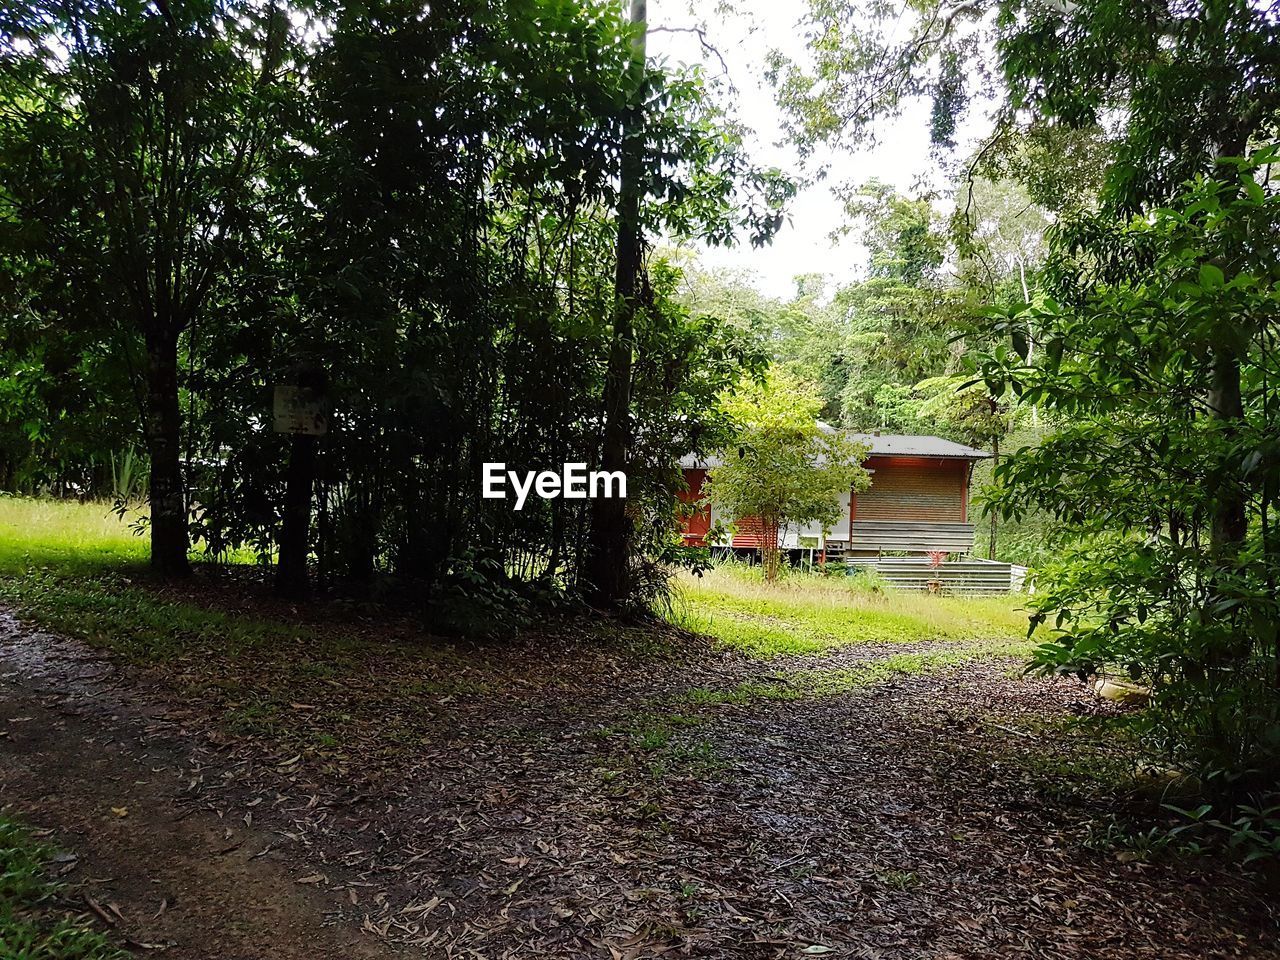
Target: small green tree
[(784, 467)]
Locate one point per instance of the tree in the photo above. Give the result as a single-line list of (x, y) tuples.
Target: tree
[(609, 559), (1073, 64), (1142, 462), (133, 149), (899, 325), (901, 234), (423, 211), (783, 467)]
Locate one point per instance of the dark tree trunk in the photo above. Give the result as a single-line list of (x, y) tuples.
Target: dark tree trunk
[(292, 579), (167, 493), (608, 563)]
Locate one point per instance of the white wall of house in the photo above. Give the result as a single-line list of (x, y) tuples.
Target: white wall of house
[(812, 530)]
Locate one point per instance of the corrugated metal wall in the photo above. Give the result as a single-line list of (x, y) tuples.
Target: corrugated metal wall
[(748, 533), (912, 488)]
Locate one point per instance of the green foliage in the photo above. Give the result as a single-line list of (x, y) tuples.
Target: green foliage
[(1252, 833), (783, 467), (1145, 458), (198, 201), (901, 234), (31, 929), (867, 345), (1192, 82), (868, 60)]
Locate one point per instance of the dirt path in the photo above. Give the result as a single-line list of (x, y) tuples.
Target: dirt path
[(613, 819), (166, 871)]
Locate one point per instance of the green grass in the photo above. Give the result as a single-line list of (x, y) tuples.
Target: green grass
[(79, 569), (74, 538), (659, 745), (75, 569), (66, 535), (809, 614), (32, 927)]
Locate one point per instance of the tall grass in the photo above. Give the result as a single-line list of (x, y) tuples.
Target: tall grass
[(810, 614), (71, 536)]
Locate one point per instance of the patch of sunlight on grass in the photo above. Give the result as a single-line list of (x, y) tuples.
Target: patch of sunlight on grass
[(136, 623), (70, 567), (67, 534), (810, 614), (72, 537)]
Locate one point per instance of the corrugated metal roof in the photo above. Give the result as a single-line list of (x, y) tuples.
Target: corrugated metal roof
[(883, 445), (907, 445), (691, 462)]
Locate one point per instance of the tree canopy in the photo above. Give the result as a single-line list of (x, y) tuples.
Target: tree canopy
[(416, 212)]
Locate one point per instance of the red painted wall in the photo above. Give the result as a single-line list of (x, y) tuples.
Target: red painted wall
[(694, 528)]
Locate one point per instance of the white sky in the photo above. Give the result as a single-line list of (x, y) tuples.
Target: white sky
[(902, 156)]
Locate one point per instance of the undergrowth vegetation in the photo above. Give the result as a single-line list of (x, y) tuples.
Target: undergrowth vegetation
[(32, 925)]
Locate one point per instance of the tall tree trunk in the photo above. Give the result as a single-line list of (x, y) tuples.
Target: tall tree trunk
[(167, 494), (292, 579), (611, 534)]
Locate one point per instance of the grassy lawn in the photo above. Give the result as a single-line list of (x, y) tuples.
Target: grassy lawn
[(31, 924), (810, 614), (76, 567), (66, 536)]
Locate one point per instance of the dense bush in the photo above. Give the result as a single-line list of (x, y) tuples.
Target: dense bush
[(1160, 358)]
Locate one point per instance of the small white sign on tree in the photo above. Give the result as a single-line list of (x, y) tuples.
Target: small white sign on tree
[(300, 410)]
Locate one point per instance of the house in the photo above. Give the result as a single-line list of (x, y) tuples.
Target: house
[(917, 504)]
